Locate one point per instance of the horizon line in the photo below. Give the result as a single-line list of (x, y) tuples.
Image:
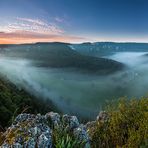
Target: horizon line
[(77, 42)]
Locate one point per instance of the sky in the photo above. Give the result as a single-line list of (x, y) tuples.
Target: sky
[(74, 21)]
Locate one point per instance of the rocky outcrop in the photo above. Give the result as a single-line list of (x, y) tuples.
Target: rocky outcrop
[(30, 131)]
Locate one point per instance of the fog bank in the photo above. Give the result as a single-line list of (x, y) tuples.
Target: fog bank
[(76, 93)]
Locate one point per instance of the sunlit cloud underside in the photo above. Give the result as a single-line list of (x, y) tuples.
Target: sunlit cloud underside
[(26, 30)]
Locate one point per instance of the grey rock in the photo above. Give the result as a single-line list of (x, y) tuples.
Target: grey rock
[(74, 123), (39, 132), (45, 140), (81, 134), (90, 124), (19, 139), (39, 118), (70, 121), (45, 128), (17, 145), (30, 143), (103, 116), (21, 117), (5, 145), (34, 131), (54, 117)]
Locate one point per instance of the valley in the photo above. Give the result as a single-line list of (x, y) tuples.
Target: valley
[(75, 83)]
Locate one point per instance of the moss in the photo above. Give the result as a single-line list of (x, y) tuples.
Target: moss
[(12, 134)]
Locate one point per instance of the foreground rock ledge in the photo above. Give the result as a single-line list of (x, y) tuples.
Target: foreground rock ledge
[(30, 131)]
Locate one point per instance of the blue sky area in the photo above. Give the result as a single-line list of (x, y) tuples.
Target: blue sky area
[(74, 20)]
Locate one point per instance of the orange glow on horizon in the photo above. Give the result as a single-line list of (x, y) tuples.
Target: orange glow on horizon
[(68, 39), (21, 36), (31, 40)]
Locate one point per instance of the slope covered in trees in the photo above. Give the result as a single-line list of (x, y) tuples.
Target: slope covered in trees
[(14, 101)]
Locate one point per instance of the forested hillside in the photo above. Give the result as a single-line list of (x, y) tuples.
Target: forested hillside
[(14, 101)]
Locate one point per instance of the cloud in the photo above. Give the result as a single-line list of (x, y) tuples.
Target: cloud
[(34, 21), (59, 20), (27, 30), (39, 26), (32, 25)]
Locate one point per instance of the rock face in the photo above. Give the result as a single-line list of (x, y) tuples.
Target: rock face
[(103, 116), (30, 131)]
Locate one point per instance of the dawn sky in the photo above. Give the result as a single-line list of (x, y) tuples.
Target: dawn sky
[(24, 21)]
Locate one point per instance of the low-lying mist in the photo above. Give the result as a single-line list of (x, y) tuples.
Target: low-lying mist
[(76, 93)]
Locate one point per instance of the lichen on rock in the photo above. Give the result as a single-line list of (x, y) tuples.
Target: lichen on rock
[(30, 131)]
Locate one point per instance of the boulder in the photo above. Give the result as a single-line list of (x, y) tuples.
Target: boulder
[(103, 116), (70, 122)]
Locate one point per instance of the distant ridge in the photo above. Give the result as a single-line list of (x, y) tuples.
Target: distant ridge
[(60, 55), (107, 42)]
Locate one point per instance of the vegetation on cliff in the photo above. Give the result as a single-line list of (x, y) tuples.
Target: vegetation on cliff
[(14, 101), (124, 124)]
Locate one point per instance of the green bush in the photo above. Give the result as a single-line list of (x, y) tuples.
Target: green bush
[(127, 125)]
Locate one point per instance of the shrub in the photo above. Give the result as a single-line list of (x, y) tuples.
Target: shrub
[(127, 125)]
